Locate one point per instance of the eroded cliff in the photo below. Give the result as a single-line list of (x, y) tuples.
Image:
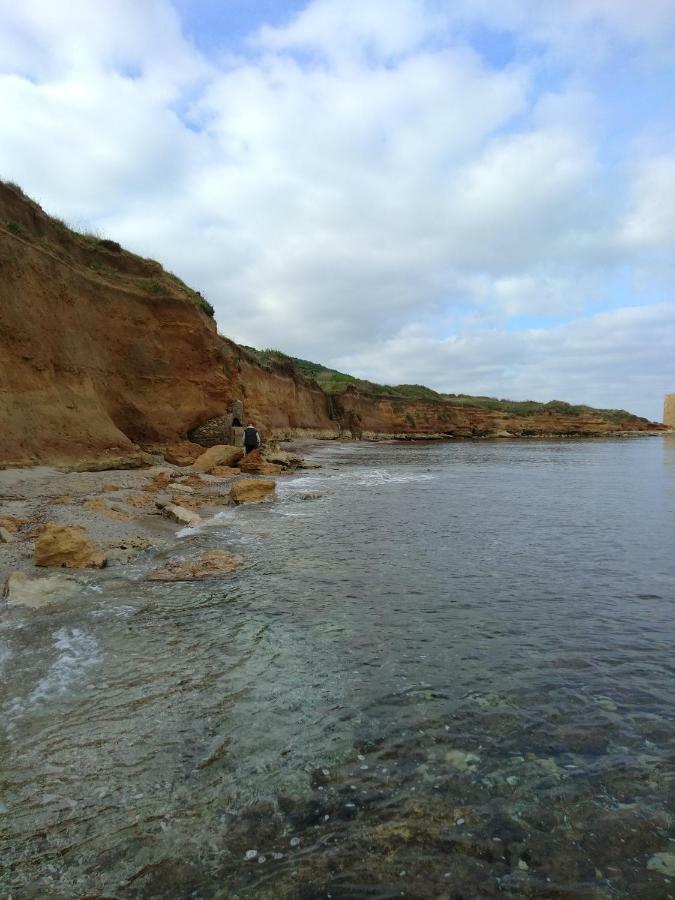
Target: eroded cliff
[(103, 354), (100, 350)]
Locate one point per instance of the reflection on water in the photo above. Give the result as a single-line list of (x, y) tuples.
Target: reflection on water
[(449, 673)]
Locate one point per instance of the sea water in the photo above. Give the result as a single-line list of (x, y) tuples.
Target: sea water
[(445, 670)]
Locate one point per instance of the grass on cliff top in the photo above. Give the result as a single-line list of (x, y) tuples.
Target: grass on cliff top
[(333, 382), (80, 245)]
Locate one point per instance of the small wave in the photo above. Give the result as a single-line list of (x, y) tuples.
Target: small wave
[(381, 476), (224, 517), (5, 655), (302, 483), (78, 652)]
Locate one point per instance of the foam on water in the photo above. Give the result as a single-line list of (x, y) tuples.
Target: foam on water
[(382, 476), (78, 652), (5, 655), (224, 517)]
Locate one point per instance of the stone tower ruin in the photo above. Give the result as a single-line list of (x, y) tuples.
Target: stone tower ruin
[(227, 429), (669, 411)]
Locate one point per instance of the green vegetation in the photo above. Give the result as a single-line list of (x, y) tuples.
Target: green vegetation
[(333, 382), (533, 407), (14, 228), (195, 296)]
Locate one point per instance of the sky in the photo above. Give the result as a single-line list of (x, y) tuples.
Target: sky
[(472, 195)]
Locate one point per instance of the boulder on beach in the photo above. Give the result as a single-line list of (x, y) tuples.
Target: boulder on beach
[(225, 471), (181, 515), (182, 454), (252, 490), (256, 465), (22, 590), (6, 536), (220, 455), (209, 564), (68, 546)]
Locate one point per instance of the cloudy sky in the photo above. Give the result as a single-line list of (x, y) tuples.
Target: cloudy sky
[(474, 195)]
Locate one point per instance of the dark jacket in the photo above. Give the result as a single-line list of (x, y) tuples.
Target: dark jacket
[(251, 437)]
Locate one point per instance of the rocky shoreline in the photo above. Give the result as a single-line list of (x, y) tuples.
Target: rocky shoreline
[(55, 523)]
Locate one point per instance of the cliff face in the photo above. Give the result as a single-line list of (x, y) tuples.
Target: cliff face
[(99, 350), (102, 352), (383, 417), (280, 402)]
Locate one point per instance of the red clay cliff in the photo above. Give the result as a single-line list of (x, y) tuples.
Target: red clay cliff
[(103, 353)]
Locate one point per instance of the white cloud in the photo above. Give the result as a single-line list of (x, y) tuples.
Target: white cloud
[(650, 223), (588, 31), (348, 28)]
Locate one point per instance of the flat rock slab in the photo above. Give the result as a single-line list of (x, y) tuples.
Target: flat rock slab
[(252, 490), (225, 471), (181, 515), (209, 564)]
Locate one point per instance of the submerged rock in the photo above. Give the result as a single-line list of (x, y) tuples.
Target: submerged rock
[(127, 549), (251, 490), (220, 455), (22, 590), (181, 515), (66, 545), (462, 760), (664, 863), (208, 564)]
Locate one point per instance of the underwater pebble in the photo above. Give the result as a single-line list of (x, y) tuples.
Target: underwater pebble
[(522, 865), (251, 854), (359, 756), (664, 863), (462, 760), (262, 859), (277, 856), (295, 842), (459, 822)]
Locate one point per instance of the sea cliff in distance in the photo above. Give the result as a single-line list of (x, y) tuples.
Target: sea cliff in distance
[(106, 355)]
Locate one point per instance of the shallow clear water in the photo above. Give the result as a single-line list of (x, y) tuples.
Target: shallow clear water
[(446, 671)]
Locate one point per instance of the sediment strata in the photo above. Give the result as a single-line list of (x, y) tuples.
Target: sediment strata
[(105, 356)]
